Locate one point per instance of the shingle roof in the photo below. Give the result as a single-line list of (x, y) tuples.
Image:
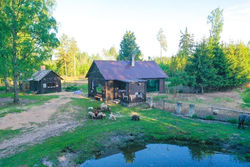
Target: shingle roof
[(37, 76), (122, 70)]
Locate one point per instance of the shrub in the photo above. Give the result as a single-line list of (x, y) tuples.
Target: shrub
[(233, 121), (209, 117), (195, 116), (71, 88), (2, 88), (246, 97)]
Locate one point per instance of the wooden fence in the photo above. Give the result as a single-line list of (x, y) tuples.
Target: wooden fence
[(196, 110)]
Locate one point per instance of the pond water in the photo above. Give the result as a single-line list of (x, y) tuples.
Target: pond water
[(166, 155)]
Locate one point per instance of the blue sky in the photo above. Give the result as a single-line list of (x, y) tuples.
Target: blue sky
[(99, 24)]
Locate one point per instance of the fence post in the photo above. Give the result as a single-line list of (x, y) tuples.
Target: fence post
[(191, 110), (178, 108), (150, 102)]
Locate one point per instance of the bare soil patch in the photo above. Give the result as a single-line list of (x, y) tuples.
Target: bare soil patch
[(39, 123)]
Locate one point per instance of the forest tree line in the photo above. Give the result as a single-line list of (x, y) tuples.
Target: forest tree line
[(209, 64)]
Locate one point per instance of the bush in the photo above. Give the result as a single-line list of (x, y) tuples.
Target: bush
[(246, 95), (195, 116), (233, 121), (209, 117), (71, 88), (2, 88)]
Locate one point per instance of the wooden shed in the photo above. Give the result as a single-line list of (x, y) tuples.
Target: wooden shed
[(128, 81), (45, 81)]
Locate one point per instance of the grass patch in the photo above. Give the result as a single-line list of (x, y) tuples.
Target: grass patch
[(222, 99), (74, 87), (5, 134), (11, 110), (155, 125), (209, 117), (233, 121)]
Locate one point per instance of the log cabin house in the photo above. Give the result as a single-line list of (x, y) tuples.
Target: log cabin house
[(128, 81), (45, 81)]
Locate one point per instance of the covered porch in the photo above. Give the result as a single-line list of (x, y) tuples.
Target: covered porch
[(130, 91)]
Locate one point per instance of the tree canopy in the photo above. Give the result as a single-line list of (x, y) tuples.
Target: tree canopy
[(31, 31), (128, 46)]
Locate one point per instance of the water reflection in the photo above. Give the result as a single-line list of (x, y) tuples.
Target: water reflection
[(162, 155), (129, 152)]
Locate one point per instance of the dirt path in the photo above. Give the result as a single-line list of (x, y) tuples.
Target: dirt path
[(37, 114), (11, 146), (38, 124)]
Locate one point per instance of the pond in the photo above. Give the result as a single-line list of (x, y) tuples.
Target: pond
[(162, 155)]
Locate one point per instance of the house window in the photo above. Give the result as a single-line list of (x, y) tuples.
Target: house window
[(51, 85), (153, 85)]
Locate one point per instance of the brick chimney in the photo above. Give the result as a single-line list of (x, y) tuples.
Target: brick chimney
[(42, 68)]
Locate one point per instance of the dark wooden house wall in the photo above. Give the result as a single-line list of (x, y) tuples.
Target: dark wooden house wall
[(51, 78), (162, 86), (96, 76), (109, 90), (33, 85)]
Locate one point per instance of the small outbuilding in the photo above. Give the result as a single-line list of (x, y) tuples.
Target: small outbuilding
[(45, 81), (128, 81)]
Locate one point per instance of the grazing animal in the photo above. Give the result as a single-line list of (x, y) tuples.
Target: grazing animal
[(112, 116), (100, 115), (135, 117), (243, 119), (104, 106), (92, 115), (90, 108)]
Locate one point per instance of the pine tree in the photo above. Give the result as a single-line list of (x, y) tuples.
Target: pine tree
[(129, 46), (200, 68)]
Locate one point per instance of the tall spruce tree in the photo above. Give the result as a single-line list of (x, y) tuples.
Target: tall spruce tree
[(218, 56), (128, 46), (200, 68)]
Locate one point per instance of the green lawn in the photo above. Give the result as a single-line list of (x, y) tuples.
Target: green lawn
[(70, 87), (155, 125)]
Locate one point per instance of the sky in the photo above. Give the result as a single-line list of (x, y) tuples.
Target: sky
[(101, 24)]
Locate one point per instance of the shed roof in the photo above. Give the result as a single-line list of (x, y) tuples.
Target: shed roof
[(122, 70), (37, 76)]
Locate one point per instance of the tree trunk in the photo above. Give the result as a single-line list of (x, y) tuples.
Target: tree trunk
[(20, 83), (75, 66), (65, 65), (202, 90), (14, 52), (161, 54), (6, 82)]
